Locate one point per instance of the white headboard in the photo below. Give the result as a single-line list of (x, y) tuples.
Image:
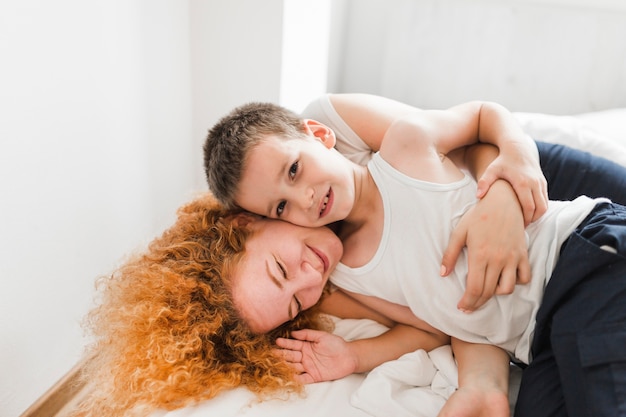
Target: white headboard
[(553, 56)]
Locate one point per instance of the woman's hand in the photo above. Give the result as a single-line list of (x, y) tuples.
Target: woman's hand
[(317, 356), (493, 231)]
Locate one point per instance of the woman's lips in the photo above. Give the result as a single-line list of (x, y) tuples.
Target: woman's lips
[(322, 257)]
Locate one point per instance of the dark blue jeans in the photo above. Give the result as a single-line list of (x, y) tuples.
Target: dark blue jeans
[(579, 347), (571, 173)]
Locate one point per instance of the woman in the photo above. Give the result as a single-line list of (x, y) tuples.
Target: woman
[(166, 332)]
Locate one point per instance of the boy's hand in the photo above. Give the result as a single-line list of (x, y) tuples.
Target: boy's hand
[(317, 356), (497, 253), (526, 178)]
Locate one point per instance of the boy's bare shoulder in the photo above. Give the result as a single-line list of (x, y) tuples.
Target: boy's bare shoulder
[(408, 134), (409, 146)]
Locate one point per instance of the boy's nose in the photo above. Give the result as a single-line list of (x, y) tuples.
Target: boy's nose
[(307, 197)]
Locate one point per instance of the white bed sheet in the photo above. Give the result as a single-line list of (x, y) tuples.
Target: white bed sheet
[(321, 399), (417, 383)]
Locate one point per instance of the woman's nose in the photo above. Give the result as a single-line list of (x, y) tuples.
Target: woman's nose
[(310, 289), (309, 276)]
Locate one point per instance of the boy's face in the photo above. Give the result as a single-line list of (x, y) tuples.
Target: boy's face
[(302, 181)]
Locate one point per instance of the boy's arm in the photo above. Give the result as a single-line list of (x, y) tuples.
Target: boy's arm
[(370, 116), (493, 231), (483, 382), (320, 356), (498, 257)]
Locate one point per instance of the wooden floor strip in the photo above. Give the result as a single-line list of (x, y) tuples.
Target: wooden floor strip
[(63, 393)]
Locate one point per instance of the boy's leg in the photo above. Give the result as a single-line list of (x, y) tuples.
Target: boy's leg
[(540, 392), (581, 325), (571, 173)]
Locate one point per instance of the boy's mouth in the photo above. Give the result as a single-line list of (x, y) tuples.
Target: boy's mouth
[(327, 203)]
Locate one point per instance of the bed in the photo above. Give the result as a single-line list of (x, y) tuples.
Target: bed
[(418, 383)]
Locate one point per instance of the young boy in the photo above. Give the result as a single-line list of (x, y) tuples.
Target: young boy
[(498, 263), (413, 193), (234, 138)]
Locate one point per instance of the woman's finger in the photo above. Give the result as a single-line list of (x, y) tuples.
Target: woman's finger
[(292, 356), (291, 344)]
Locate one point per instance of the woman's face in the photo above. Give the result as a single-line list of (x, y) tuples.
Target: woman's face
[(283, 271)]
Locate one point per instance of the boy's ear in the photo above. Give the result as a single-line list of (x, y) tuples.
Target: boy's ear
[(244, 219), (320, 131)]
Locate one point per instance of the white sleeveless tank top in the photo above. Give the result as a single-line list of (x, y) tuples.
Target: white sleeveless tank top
[(418, 220)]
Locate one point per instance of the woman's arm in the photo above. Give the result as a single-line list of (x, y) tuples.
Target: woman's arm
[(342, 305), (320, 356), (483, 382)]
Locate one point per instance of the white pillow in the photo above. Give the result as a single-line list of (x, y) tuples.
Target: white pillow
[(599, 133)]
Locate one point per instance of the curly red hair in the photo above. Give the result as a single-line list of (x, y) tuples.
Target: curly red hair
[(166, 332)]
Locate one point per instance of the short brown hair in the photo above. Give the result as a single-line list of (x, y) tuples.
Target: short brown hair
[(229, 141)]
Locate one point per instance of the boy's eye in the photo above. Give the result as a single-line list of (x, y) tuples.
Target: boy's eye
[(280, 208), (293, 169)]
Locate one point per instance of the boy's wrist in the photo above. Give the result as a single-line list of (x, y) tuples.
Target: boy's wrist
[(519, 147)]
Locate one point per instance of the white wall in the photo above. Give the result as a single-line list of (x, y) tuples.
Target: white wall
[(305, 48), (248, 50), (553, 56), (104, 106), (236, 58), (95, 149)]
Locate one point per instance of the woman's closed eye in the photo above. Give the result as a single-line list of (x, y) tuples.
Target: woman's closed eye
[(298, 305), (298, 309), (283, 271)]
